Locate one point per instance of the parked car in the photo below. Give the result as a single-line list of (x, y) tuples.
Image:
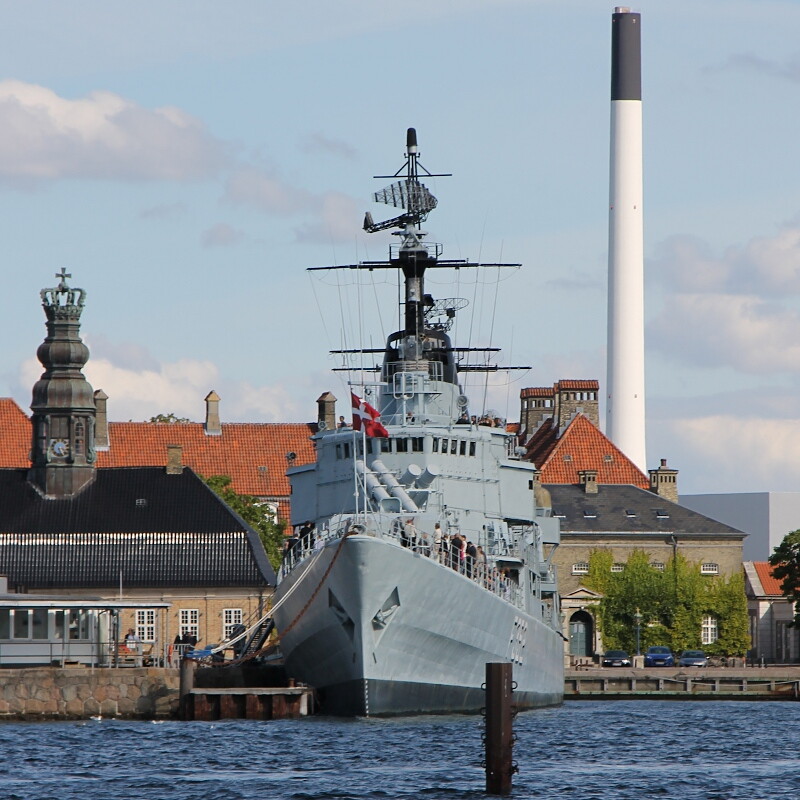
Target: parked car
[(659, 656), (693, 658), (616, 658)]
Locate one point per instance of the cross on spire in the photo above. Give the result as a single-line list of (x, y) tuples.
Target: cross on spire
[(63, 275)]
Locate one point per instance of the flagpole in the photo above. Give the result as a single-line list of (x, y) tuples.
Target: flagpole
[(366, 467)]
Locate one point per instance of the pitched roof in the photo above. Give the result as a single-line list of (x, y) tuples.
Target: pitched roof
[(770, 584), (580, 447), (252, 454), (153, 528), (622, 508), (15, 430)]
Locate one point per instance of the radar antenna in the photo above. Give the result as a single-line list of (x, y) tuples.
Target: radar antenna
[(446, 308), (408, 193)]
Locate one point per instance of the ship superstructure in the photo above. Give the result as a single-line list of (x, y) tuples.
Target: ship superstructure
[(424, 552)]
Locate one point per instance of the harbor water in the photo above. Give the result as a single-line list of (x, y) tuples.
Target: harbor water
[(625, 749)]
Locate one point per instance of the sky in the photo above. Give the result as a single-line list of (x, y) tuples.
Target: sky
[(186, 162)]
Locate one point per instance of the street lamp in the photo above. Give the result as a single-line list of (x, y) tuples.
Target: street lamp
[(637, 618)]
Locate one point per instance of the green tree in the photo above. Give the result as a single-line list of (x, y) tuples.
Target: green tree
[(672, 603), (167, 419), (254, 513), (785, 563)]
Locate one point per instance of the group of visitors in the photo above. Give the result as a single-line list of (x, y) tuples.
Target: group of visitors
[(486, 419)]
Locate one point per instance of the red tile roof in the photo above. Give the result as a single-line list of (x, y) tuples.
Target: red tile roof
[(770, 584), (581, 446), (538, 391), (15, 431), (252, 454), (590, 385)]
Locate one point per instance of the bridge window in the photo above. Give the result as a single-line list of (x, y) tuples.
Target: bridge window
[(472, 448), (463, 448), (416, 444), (402, 445)]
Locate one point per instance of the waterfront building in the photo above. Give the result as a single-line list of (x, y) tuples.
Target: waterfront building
[(605, 502), (773, 640), (255, 455), (149, 535)]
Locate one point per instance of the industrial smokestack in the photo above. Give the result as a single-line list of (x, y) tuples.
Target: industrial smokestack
[(625, 416)]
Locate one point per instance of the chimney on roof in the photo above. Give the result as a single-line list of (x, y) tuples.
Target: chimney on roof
[(573, 396), (588, 478), (541, 496), (536, 405), (326, 412), (174, 459), (101, 441), (213, 427), (664, 481)]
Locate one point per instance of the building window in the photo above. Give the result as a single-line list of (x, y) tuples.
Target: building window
[(709, 630), (230, 617), (580, 568), (618, 568), (658, 565), (190, 622), (709, 568), (146, 624)]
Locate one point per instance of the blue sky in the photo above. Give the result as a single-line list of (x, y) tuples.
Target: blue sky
[(186, 161)]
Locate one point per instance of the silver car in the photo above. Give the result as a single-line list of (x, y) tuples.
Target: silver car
[(693, 658)]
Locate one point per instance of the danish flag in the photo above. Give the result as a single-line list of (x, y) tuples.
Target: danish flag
[(364, 414)]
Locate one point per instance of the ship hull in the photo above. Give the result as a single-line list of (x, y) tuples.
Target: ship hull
[(377, 629)]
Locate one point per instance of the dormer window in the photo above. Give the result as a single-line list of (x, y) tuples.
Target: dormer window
[(589, 513), (661, 514), (630, 513)]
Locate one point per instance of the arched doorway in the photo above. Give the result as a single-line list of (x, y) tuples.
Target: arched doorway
[(581, 634)]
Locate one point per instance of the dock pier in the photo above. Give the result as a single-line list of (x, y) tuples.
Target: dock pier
[(666, 683)]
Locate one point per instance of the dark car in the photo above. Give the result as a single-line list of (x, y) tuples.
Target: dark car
[(615, 658), (659, 656), (693, 658)]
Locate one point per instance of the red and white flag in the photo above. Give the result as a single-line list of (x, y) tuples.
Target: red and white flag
[(364, 414)]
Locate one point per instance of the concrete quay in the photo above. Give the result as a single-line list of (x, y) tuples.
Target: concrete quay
[(683, 683)]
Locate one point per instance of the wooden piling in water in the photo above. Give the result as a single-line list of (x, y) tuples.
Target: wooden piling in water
[(499, 728)]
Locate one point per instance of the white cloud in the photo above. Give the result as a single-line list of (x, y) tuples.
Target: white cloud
[(140, 387), (338, 221), (764, 265), (222, 235), (739, 331), (101, 136), (268, 193), (723, 451), (319, 143)]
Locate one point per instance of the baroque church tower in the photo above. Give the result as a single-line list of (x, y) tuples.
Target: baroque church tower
[(62, 451)]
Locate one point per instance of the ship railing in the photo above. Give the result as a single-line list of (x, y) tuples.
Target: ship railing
[(298, 549)]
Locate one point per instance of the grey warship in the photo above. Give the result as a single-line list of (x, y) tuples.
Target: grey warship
[(378, 605)]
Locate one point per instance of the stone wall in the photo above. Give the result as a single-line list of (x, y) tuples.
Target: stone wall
[(79, 693)]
